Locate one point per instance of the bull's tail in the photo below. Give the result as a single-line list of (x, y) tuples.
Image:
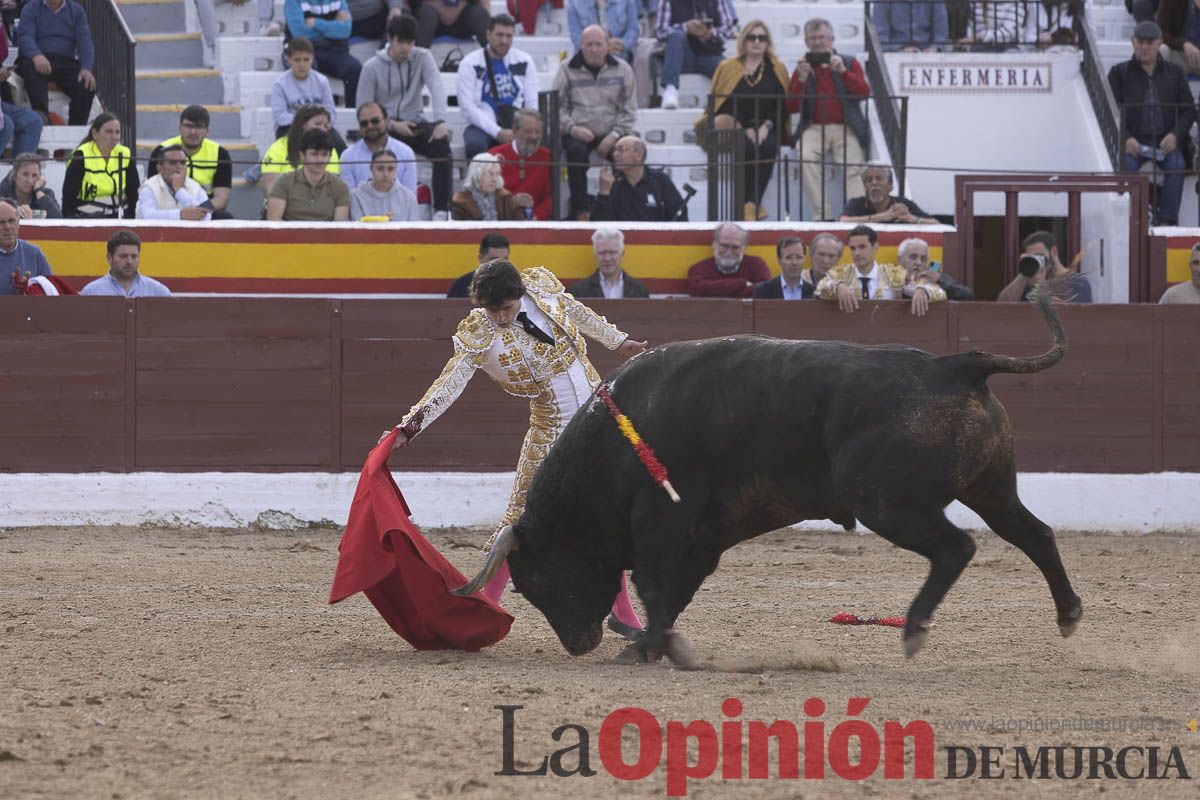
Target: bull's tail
[(1043, 297)]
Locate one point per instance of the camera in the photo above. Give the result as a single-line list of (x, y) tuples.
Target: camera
[(1030, 263), (817, 59)]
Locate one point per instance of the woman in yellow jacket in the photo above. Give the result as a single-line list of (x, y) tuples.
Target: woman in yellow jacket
[(748, 92), (102, 178)]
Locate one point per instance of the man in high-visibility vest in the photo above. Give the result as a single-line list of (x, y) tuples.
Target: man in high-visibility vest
[(208, 164)]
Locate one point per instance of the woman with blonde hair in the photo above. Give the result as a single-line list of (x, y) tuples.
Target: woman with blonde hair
[(483, 196), (748, 92)]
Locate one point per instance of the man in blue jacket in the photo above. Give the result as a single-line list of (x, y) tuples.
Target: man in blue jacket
[(326, 23), (56, 45)]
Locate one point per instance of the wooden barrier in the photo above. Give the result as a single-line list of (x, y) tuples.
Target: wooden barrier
[(293, 384)]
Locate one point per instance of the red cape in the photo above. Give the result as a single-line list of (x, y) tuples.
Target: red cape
[(383, 555)]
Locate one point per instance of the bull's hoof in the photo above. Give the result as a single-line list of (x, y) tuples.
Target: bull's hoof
[(915, 634), (680, 652), (632, 654), (1068, 622)]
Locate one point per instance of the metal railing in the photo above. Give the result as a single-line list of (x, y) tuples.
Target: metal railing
[(552, 139), (892, 110), (114, 69), (735, 165), (987, 25), (1099, 92)]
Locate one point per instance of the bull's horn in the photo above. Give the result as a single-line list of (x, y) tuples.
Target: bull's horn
[(506, 542)]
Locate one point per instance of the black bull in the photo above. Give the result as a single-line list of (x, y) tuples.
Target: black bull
[(758, 434)]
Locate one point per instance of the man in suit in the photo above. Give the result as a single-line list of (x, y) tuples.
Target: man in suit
[(491, 246), (791, 283), (609, 280)]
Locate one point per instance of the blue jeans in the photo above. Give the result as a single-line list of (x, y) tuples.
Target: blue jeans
[(475, 141), (679, 58), (22, 126), (1172, 189), (333, 59)]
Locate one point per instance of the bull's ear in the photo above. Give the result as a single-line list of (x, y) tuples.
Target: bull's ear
[(505, 543)]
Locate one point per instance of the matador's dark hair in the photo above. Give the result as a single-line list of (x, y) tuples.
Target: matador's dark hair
[(495, 283)]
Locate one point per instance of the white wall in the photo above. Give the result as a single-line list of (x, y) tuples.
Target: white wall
[(1118, 503)]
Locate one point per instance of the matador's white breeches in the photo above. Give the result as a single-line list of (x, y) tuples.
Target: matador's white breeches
[(549, 414)]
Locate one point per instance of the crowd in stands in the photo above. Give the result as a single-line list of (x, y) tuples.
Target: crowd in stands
[(756, 106)]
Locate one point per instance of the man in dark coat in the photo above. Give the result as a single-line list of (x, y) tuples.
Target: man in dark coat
[(609, 280)]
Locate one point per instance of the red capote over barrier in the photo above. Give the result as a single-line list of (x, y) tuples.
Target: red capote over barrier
[(383, 555)]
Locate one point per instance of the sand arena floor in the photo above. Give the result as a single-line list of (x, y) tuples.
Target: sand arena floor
[(205, 664)]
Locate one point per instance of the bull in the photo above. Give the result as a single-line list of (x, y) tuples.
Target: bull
[(760, 433)]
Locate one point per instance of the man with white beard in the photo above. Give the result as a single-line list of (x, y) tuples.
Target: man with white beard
[(729, 272)]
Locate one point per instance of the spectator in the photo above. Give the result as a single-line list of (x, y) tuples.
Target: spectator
[(19, 260), (1044, 248), (525, 165), (825, 254), (996, 25), (638, 193), (206, 13), (208, 164), (1052, 22), (300, 86), (864, 278), (101, 178), (910, 26), (383, 195), (171, 194), (729, 272), (357, 161), (914, 257), (1186, 292), (597, 102), (827, 90), (737, 101), (462, 19), (1141, 10), (395, 78), (326, 23), (26, 184), (621, 24), (284, 155), (791, 283), (123, 278), (878, 204), (610, 279), (55, 44), (1158, 114), (693, 33), (493, 82), (369, 18), (311, 193), (483, 196), (22, 126), (491, 247)]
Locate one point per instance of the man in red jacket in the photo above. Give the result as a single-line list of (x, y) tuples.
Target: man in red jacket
[(729, 272), (525, 165)]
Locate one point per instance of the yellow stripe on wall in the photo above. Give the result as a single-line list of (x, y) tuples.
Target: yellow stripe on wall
[(348, 261)]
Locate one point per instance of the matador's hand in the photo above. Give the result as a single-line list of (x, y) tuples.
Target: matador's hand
[(631, 348)]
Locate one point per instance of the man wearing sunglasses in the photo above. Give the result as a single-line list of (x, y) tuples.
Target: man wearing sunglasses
[(356, 160)]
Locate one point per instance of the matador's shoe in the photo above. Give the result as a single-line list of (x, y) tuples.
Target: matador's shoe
[(628, 631)]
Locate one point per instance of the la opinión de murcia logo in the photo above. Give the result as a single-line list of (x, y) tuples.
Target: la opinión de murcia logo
[(737, 749)]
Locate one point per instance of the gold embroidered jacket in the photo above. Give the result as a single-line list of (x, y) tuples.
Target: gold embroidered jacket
[(519, 364), (890, 285)]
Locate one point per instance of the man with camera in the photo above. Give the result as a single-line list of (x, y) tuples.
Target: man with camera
[(629, 191), (1158, 112), (693, 33), (493, 82), (1040, 262), (827, 91)]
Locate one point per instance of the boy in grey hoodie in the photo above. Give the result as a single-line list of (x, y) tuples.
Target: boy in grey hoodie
[(394, 78), (383, 196)]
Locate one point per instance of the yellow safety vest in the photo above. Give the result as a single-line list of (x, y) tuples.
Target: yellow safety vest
[(275, 161), (104, 179), (202, 167)]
